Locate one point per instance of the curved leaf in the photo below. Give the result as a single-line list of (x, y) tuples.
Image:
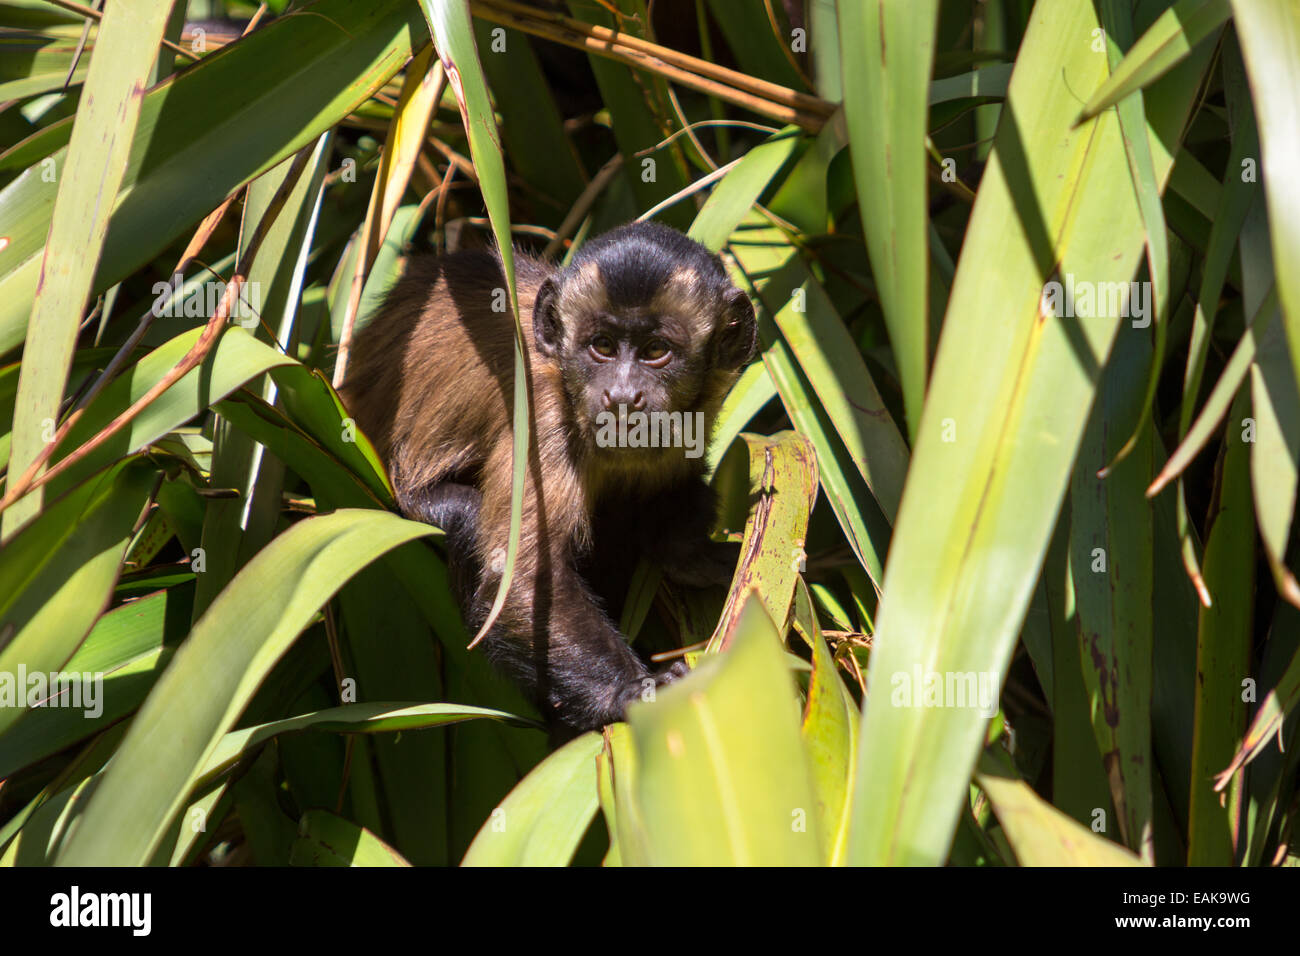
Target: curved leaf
[(214, 674), (1008, 400), (719, 781), (325, 839), (92, 174), (542, 820), (1160, 49)]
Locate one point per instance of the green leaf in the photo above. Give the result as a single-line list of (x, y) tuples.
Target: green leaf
[(206, 131), (733, 198), (235, 359), (1165, 44), (637, 117), (376, 718), (756, 45), (331, 481), (57, 575), (831, 362), (92, 174), (1223, 652), (234, 528), (214, 674), (830, 735), (986, 82), (1118, 22), (886, 52), (32, 63), (1269, 31), (766, 253), (719, 781), (752, 391), (1228, 217), (1079, 784), (1040, 834), (542, 821), (1111, 561), (1275, 452), (783, 481), (1003, 419), (325, 839), (126, 648), (449, 22), (531, 126), (1225, 389)]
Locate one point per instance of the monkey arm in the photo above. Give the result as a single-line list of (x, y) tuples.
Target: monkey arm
[(554, 639), (552, 635)]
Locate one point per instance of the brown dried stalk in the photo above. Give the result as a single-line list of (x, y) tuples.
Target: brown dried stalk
[(769, 99), (211, 333)]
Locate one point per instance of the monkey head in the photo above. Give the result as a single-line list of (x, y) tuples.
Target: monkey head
[(643, 320)]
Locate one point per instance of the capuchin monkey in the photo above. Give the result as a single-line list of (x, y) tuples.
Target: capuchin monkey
[(631, 349)]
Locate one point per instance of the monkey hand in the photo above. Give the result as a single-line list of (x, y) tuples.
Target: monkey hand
[(643, 688)]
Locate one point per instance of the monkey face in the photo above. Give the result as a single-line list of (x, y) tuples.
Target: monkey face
[(644, 323), (631, 362), (628, 365)]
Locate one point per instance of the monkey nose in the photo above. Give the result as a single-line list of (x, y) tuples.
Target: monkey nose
[(635, 400)]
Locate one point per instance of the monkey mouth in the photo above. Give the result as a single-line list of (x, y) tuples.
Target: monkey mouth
[(638, 434)]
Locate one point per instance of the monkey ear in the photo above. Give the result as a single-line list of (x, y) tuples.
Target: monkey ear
[(548, 330), (739, 334)]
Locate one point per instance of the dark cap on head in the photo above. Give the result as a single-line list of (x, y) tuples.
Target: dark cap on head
[(637, 260)]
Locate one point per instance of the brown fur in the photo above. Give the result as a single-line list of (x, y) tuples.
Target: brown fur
[(431, 383)]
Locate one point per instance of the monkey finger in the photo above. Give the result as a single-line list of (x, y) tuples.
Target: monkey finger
[(675, 671)]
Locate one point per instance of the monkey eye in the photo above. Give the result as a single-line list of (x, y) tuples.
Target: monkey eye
[(655, 352), (603, 346)]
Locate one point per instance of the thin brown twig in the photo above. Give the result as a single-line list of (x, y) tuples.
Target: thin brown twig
[(440, 207), (461, 162), (604, 176), (30, 479), (689, 190), (760, 96), (424, 166), (90, 12), (81, 48), (523, 229), (535, 18), (200, 238), (685, 127), (769, 130), (435, 180), (254, 20)]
